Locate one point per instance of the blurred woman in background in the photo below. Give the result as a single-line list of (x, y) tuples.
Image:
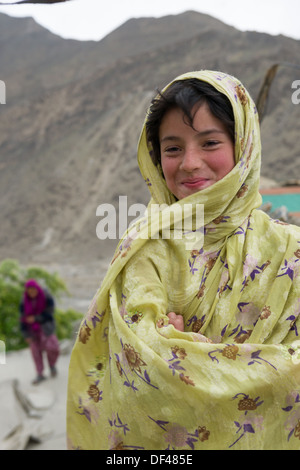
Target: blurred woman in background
[(38, 327)]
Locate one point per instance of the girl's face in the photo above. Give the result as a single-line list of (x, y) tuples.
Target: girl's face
[(32, 292), (194, 158)]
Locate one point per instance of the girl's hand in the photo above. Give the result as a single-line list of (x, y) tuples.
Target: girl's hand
[(30, 319), (176, 321)]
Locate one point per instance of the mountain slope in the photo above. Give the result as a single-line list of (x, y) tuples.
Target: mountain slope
[(74, 112)]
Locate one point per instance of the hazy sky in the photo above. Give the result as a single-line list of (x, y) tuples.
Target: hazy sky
[(94, 19)]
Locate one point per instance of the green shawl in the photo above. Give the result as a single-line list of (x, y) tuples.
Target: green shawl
[(231, 380)]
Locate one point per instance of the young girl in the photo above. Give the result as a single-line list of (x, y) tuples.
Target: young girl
[(195, 348)]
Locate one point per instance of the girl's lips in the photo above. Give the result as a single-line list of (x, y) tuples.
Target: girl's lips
[(195, 183)]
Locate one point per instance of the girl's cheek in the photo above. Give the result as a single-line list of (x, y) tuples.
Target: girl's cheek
[(221, 164), (168, 167)]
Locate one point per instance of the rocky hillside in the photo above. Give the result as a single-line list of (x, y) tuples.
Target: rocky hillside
[(74, 111)]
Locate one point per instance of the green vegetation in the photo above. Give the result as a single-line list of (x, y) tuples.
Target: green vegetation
[(12, 280)]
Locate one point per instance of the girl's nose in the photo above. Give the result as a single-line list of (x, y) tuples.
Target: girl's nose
[(191, 160)]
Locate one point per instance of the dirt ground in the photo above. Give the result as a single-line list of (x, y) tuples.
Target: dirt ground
[(47, 424)]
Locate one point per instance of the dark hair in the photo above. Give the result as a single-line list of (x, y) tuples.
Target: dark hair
[(185, 94)]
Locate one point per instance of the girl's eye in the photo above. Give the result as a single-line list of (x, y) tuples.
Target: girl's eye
[(171, 150), (211, 143)]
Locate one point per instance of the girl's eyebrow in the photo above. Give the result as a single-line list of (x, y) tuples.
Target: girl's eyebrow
[(199, 134), (169, 138)]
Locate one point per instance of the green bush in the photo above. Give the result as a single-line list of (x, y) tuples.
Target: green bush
[(12, 281), (65, 322)]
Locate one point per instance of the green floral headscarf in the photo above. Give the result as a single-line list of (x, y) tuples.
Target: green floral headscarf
[(231, 380)]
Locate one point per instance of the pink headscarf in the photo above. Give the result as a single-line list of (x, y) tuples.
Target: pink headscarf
[(34, 306)]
